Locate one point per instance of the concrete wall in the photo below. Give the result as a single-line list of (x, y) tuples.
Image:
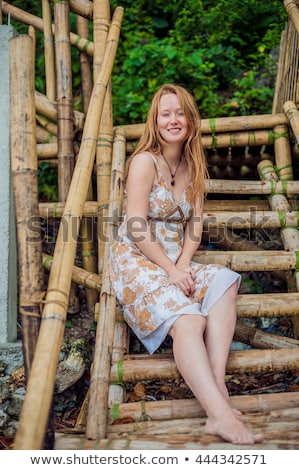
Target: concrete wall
[(8, 248)]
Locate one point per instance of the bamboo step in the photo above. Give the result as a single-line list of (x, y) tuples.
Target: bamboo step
[(267, 260), (238, 361), (165, 410)]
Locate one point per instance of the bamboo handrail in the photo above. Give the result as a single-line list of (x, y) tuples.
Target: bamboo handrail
[(35, 410)]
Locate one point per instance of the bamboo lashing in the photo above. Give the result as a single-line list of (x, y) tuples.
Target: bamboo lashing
[(37, 402), (97, 411)]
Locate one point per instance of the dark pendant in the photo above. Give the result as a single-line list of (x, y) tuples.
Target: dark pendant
[(172, 183)]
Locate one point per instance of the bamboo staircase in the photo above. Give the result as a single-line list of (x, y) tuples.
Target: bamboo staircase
[(264, 199)]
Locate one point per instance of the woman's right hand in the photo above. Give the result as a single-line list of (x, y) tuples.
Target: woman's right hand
[(183, 280)]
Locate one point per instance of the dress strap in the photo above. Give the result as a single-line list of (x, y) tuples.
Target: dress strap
[(155, 163)]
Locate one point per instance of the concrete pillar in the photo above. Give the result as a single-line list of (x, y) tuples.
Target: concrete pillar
[(8, 248)]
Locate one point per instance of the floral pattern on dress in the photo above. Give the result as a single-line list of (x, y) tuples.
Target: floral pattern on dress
[(142, 288)]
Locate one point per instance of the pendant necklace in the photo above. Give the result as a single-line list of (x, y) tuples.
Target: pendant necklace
[(172, 173)]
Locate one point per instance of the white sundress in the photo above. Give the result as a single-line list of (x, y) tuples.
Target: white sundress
[(150, 302)]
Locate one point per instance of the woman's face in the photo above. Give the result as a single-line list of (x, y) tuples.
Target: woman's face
[(172, 122)]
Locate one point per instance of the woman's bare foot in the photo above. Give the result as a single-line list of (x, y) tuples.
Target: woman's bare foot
[(231, 429)]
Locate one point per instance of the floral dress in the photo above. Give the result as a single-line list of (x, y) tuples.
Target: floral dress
[(151, 303)]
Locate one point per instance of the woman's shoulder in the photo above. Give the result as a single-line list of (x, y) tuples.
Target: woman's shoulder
[(145, 161)]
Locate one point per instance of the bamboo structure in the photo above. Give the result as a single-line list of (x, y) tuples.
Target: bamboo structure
[(250, 189), (35, 411)]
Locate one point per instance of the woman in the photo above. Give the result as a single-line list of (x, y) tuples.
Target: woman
[(161, 290)]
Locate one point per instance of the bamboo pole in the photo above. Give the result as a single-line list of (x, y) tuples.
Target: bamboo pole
[(167, 410), (292, 114), (90, 208), (267, 260), (268, 305), (31, 280), (35, 409), (97, 410), (27, 18), (64, 98), (88, 251), (83, 8), (223, 124), (101, 23), (251, 219), (251, 187), (48, 109), (49, 51), (259, 339), (290, 239), (24, 171), (291, 8), (79, 275), (64, 105), (248, 361), (47, 125)]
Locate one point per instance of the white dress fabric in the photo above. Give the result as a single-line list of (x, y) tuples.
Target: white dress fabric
[(151, 303)]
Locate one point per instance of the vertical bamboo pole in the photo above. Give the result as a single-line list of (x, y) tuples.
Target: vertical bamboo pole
[(24, 171), (25, 184), (88, 252), (101, 22), (35, 410), (65, 118), (49, 51), (99, 385)]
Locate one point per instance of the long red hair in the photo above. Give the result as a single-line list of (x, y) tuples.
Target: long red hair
[(192, 149)]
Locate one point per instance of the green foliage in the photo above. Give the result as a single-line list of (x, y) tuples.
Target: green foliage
[(223, 51), (47, 182)]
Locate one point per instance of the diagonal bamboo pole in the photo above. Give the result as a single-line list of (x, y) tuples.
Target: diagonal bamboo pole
[(35, 410)]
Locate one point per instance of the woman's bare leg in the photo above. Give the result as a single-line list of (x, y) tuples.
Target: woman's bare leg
[(221, 323), (194, 365)]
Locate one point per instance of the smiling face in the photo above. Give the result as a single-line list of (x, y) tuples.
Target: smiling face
[(171, 120)]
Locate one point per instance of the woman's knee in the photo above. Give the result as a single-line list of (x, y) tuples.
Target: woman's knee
[(189, 325)]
